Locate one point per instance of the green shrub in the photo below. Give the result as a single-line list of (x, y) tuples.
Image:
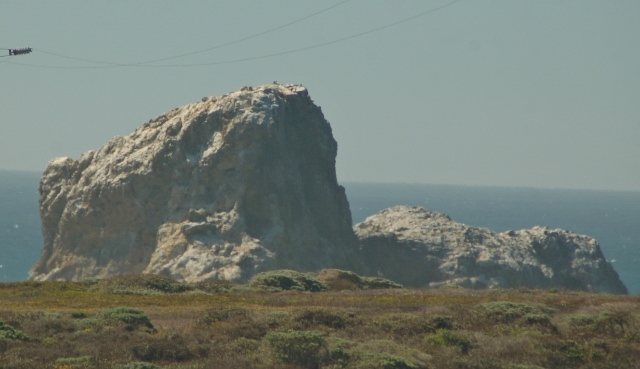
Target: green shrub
[(245, 288), (302, 348), (539, 319), (339, 280), (573, 350), (386, 354), (275, 318), (581, 320), (373, 283), (283, 280), (212, 286), (78, 315), (141, 284), (607, 322), (309, 318), (385, 361), (445, 337), (131, 317), (338, 352), (442, 322), (613, 322), (245, 346), (240, 323), (504, 311), (7, 332), (247, 328)]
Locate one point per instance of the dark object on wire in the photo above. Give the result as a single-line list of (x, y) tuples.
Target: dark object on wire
[(20, 51)]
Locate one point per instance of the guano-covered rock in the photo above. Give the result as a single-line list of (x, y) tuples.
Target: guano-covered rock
[(417, 247), (219, 189), (233, 186)]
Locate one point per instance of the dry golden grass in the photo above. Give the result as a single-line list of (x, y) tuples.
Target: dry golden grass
[(227, 326)]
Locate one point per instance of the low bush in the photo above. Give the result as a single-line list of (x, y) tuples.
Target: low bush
[(245, 346), (238, 323), (221, 315), (310, 318), (385, 361), (504, 311), (276, 318), (610, 322), (445, 337), (386, 354), (340, 280), (213, 286), (510, 312), (7, 332), (338, 352), (132, 318), (442, 322), (141, 284), (51, 324), (581, 320), (538, 319), (79, 315), (613, 322), (246, 328), (284, 280), (303, 348)]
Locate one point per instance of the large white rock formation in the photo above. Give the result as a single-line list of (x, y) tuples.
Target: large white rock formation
[(246, 182), (219, 189), (417, 247)]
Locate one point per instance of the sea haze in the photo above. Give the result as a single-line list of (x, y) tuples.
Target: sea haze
[(609, 216)]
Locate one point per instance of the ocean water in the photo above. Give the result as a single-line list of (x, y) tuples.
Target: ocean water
[(20, 229), (613, 218)]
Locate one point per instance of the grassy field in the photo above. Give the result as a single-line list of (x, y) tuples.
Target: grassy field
[(275, 322)]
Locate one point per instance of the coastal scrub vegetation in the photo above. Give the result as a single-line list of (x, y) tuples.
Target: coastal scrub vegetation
[(334, 319)]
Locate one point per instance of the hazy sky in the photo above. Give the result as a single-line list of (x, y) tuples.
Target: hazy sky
[(542, 93)]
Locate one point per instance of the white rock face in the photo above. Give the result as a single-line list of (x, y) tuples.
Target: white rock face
[(417, 247), (219, 189)]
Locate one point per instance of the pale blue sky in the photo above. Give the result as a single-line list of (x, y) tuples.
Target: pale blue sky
[(542, 93)]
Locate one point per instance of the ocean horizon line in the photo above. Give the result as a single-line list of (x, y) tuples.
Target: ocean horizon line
[(402, 183)]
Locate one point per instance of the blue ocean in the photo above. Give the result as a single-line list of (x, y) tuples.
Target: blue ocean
[(612, 217)]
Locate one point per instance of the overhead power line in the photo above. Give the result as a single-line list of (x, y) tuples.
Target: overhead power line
[(203, 50), (317, 45), (292, 51)]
